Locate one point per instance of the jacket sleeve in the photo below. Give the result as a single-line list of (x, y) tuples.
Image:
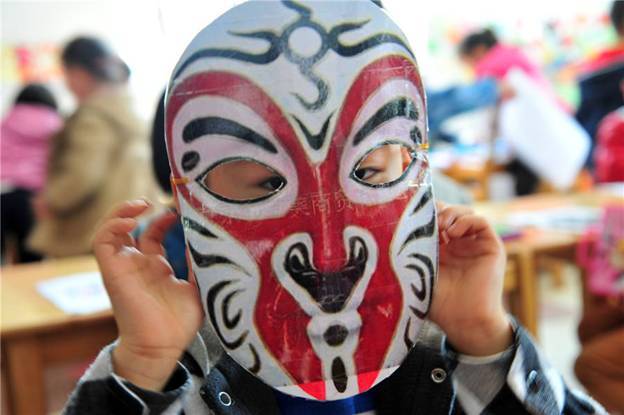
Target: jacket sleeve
[(80, 162), (518, 380), (100, 392)]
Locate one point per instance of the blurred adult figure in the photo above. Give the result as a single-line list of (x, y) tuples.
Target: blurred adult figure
[(600, 78), (101, 156), (25, 136)]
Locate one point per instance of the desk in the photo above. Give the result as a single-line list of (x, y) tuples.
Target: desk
[(523, 253), (34, 333)]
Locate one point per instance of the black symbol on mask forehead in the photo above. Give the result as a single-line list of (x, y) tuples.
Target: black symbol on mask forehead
[(279, 45)]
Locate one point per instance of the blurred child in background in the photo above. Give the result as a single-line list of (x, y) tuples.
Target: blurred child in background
[(26, 132), (488, 57)]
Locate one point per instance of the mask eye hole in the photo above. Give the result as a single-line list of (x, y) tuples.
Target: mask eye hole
[(241, 180), (384, 165)]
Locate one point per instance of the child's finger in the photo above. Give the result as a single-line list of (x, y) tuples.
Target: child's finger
[(115, 232), (475, 229), (448, 215), (467, 225), (129, 209), (150, 241)]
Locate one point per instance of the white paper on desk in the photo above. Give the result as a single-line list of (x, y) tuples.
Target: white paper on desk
[(81, 293), (575, 219)]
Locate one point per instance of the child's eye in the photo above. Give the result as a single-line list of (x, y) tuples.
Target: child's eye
[(272, 183), (241, 181), (366, 173), (383, 165)]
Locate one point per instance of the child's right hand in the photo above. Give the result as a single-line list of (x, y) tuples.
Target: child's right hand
[(157, 314)]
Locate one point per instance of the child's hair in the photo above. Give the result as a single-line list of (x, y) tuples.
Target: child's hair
[(36, 94), (160, 160), (617, 16), (485, 37), (95, 57)]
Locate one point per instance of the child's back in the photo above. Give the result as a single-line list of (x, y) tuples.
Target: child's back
[(26, 132)]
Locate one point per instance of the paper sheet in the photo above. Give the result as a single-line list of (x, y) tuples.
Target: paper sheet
[(81, 293), (568, 219)]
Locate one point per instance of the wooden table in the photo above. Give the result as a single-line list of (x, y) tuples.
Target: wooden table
[(524, 252), (35, 333), (475, 176)]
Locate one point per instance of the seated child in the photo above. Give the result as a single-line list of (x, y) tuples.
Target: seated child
[(26, 134), (297, 141)]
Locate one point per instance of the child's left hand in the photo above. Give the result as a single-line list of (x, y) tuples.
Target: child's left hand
[(467, 300)]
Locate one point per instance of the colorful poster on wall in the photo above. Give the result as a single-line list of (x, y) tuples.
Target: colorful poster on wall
[(30, 63), (558, 46)]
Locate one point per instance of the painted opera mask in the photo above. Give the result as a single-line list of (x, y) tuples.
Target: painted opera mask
[(296, 134)]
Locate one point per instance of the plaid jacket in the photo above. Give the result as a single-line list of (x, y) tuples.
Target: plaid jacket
[(432, 380)]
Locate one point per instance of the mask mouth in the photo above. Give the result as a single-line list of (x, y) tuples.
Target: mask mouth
[(330, 290)]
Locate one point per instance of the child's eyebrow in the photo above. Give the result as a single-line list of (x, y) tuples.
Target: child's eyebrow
[(398, 107), (207, 126)]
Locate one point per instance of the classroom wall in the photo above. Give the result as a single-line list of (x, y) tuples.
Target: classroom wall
[(151, 34)]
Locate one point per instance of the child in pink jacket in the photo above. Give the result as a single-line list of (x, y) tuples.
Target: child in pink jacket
[(24, 141)]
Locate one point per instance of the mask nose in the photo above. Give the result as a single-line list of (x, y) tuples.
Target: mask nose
[(329, 289), (329, 251)]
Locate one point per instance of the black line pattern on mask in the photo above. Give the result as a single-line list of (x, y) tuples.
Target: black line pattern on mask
[(264, 58), (223, 322), (278, 44), (399, 107), (416, 135), (406, 337), (422, 266), (424, 275), (314, 140), (230, 323), (420, 232), (426, 197), (255, 368), (189, 223), (211, 299), (371, 42), (208, 126), (208, 260)]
